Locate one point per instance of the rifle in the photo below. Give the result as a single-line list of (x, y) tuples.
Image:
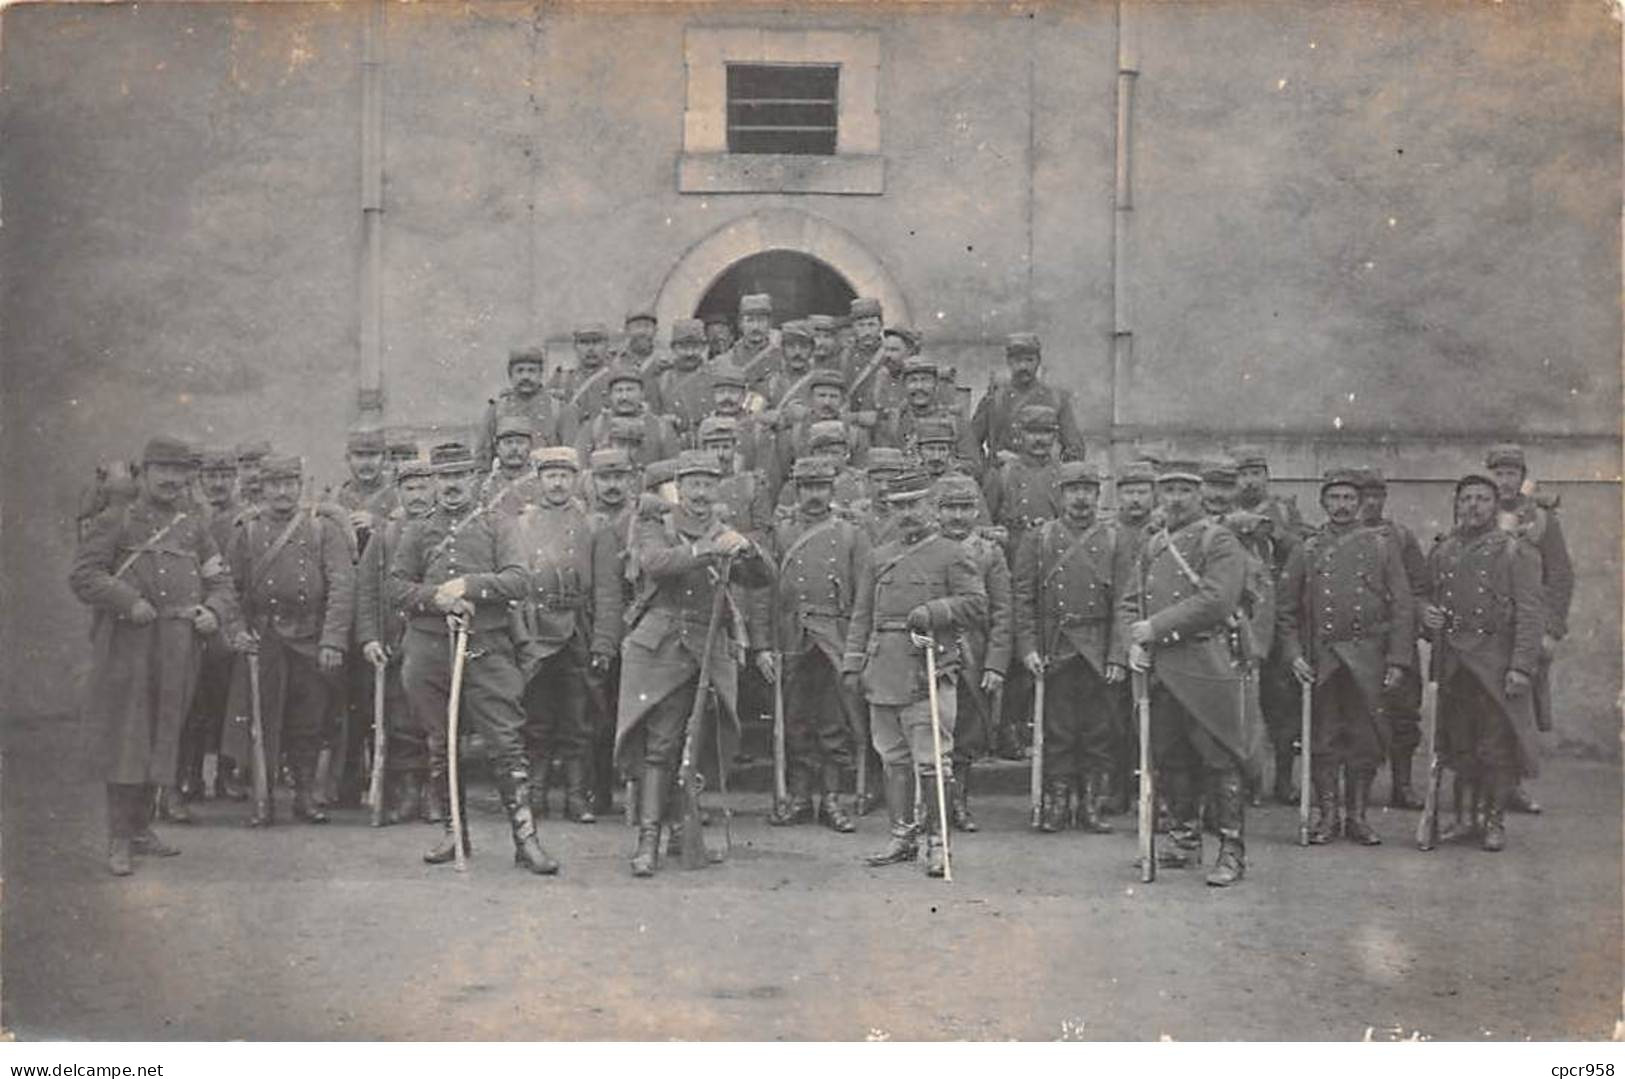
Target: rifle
[(454, 702), (1306, 697), (929, 643), (380, 742), (1035, 781), (781, 794), (1148, 815), (1427, 828), (687, 774), (256, 737)]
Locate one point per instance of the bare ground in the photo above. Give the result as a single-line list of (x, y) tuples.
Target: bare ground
[(342, 933)]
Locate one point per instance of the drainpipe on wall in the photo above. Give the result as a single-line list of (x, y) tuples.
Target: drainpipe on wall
[(1128, 68), (370, 372)]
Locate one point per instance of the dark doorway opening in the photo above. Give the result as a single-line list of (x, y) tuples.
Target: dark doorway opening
[(799, 284)]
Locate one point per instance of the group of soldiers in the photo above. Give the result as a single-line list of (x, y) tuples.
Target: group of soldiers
[(636, 550)]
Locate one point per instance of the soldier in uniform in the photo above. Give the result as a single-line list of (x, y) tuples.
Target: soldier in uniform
[(685, 388), (583, 388), (742, 497), (157, 586), (217, 482), (935, 440), (826, 345), (756, 440), (874, 511), (680, 557), (380, 627), (755, 357), (1021, 491), (920, 406), (920, 583), (458, 561), (1347, 628), (1403, 703), (830, 438), (719, 334), (1188, 587), (987, 641), (1135, 487), (1533, 518), (615, 513), (826, 401), (626, 402), (1486, 617), (860, 357), (401, 450), (572, 618), (790, 383), (249, 456), (1278, 688), (820, 558), (878, 383), (639, 350), (294, 572), (997, 421), (512, 484), (526, 396), (1070, 575)]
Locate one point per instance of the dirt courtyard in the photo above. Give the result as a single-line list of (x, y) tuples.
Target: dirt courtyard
[(340, 932)]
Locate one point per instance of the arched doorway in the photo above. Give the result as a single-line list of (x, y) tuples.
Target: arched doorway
[(799, 284), (777, 231)]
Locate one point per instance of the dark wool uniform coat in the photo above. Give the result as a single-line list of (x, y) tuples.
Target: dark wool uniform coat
[(142, 677), (575, 583), (993, 424), (668, 622), (376, 619), (1489, 587), (1538, 525), (820, 563), (1068, 586), (1345, 601), (1190, 651), (479, 547), (550, 424), (987, 642), (936, 572)]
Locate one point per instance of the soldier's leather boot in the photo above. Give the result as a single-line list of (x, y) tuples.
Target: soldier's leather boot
[(652, 793), (1401, 795), (172, 806), (1182, 823), (1323, 828), (1286, 791), (305, 807), (119, 818), (1518, 801), (577, 793), (527, 846), (1090, 804), (936, 854), (1230, 819), (434, 805), (902, 846), (446, 849), (1499, 792), (1359, 796), (829, 808), (1056, 805), (959, 814), (143, 805), (406, 802), (1464, 823)]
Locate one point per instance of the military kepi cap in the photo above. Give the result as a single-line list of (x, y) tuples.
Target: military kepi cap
[(282, 467), (911, 486), (528, 354), (1219, 472), (513, 425), (591, 331), (365, 440), (1505, 453), (1341, 477), (1475, 479), (450, 458), (957, 490), (813, 470), (698, 462), (826, 432), (756, 303), (1038, 418), (885, 459), (1136, 472), (1249, 457), (610, 460), (1071, 473), (412, 470), (557, 457), (249, 452), (1018, 343), (795, 330), (168, 450), (1189, 471), (826, 376), (864, 307), (718, 427), (217, 459), (686, 330), (1372, 479), (640, 314)]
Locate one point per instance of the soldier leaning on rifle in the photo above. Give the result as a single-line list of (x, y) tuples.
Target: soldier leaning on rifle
[(294, 572), (987, 640), (157, 586), (461, 561), (821, 555), (1187, 590), (527, 397), (1486, 616), (380, 627), (921, 583), (571, 620), (1347, 629), (615, 512), (1403, 703), (1533, 518), (679, 558), (1070, 575)]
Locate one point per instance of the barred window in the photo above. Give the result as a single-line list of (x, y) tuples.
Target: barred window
[(782, 108)]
